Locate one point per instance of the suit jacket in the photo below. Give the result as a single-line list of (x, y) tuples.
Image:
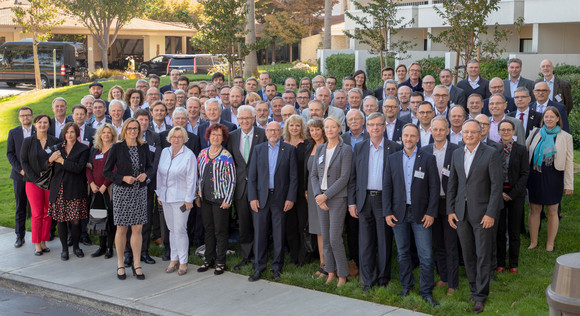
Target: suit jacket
[(193, 143), (203, 127), (511, 106), (564, 157), (119, 157), (379, 93), (165, 88), (561, 108), (357, 184), (233, 146), (51, 129), (417, 88), (346, 138), (527, 83), (261, 94), (563, 92), (520, 133), (424, 191), (534, 120), (89, 135), (446, 161), (339, 170), (332, 110), (227, 115), (13, 149), (71, 174), (285, 175), (34, 158), (518, 171), (481, 189), (482, 90), (398, 132), (457, 96)]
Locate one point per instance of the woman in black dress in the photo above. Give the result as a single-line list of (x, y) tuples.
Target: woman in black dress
[(68, 188)]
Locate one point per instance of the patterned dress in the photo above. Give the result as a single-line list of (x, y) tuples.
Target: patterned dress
[(67, 210), (130, 203)]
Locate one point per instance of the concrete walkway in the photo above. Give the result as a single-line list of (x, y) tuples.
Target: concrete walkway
[(92, 282)]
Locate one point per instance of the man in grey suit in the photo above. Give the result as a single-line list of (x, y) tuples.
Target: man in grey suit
[(515, 80), (241, 144), (474, 192), (497, 106), (456, 95)]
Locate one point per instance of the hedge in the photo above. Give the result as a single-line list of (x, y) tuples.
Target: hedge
[(279, 73), (340, 65)]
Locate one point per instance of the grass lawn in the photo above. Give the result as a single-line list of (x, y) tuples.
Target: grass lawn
[(521, 294)]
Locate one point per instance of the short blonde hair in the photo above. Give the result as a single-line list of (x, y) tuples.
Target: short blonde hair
[(294, 118), (124, 130), (334, 119), (178, 128), (252, 96), (97, 142)]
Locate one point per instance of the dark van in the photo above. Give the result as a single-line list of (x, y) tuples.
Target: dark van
[(17, 63)]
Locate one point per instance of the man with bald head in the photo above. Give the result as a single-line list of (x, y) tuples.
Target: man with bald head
[(287, 111), (474, 105), (174, 77), (542, 92), (404, 96), (496, 86), (560, 90), (428, 86), (290, 84), (484, 136)]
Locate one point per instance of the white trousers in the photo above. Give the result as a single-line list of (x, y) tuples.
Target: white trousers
[(176, 221)]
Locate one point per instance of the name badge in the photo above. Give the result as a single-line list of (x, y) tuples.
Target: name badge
[(558, 98), (85, 142), (445, 172), (99, 156), (419, 174), (400, 142), (320, 160), (48, 151), (152, 148), (515, 138)]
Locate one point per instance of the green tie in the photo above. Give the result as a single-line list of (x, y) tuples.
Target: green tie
[(246, 147)]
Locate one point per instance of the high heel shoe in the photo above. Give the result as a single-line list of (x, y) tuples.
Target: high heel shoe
[(121, 276), (138, 276)]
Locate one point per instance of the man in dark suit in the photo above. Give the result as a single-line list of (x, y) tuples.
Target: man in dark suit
[(180, 119), (456, 95), (365, 203), (271, 192), (474, 195), (529, 117), (394, 125), (79, 114), (542, 93), (484, 137), (386, 74), (444, 237), (414, 82), (410, 200), (425, 113), (474, 83), (515, 80), (59, 107), (213, 110), (561, 91), (496, 86), (230, 114), (174, 78), (241, 144), (99, 116), (15, 138)]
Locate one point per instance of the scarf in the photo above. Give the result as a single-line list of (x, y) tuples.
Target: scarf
[(546, 149)]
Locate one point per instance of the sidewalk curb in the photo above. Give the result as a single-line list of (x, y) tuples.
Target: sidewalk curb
[(91, 299)]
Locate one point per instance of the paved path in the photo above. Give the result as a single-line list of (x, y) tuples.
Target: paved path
[(6, 91), (92, 282)]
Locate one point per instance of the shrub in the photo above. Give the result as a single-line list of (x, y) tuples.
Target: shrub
[(574, 117), (280, 72), (115, 74), (432, 66), (340, 65), (491, 68), (373, 71), (561, 70)]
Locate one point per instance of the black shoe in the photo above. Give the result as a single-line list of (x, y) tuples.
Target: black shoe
[(86, 241), (276, 275), (46, 250), (220, 268), (109, 253), (166, 255), (367, 288), (64, 256), (241, 264), (121, 276), (405, 292), (128, 261), (138, 276), (147, 259), (19, 242), (69, 242), (431, 300), (79, 253), (478, 307), (205, 266), (38, 253), (255, 277), (52, 235), (98, 253)]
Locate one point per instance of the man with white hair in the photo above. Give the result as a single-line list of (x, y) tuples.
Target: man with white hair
[(213, 110), (560, 90), (323, 95)]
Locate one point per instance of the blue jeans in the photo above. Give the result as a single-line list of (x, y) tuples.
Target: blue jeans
[(402, 232)]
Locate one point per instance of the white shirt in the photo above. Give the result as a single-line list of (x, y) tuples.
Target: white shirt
[(58, 126), (455, 138), (118, 128), (243, 139), (159, 128), (391, 129), (425, 136), (82, 134), (96, 123), (327, 157), (468, 159), (474, 84), (525, 118), (26, 132), (177, 177), (440, 159)]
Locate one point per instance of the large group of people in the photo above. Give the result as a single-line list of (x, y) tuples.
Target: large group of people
[(444, 170)]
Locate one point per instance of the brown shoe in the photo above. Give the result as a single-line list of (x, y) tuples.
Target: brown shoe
[(440, 283), (352, 269)]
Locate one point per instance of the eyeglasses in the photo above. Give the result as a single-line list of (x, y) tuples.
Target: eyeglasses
[(375, 125), (505, 130), (269, 130), (542, 90), (425, 112), (440, 95), (216, 135), (245, 118), (132, 128)]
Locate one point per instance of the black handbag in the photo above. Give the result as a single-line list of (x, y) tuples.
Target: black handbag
[(308, 240), (43, 181), (97, 225)]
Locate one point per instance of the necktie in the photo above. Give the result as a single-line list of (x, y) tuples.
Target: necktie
[(522, 117), (246, 147), (541, 108)]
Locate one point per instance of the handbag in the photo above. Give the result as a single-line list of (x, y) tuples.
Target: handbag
[(43, 181), (97, 225), (308, 242)]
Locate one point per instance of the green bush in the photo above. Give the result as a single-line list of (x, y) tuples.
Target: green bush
[(491, 68), (373, 71), (574, 117), (561, 70), (340, 65), (432, 66), (280, 72)]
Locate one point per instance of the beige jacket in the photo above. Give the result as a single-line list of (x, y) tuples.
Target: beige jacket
[(564, 157)]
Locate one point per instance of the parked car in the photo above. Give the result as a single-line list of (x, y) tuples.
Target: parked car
[(17, 63), (186, 63)]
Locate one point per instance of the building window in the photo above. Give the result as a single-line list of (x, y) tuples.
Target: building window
[(425, 44), (525, 45)]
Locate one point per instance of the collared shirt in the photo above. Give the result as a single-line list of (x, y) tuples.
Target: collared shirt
[(272, 159), (159, 128), (234, 120), (455, 138), (474, 84), (262, 126), (414, 119), (375, 180), (58, 126), (243, 135), (468, 158), (168, 120), (429, 98), (408, 165), (551, 85), (444, 113), (493, 129), (177, 176), (391, 129), (514, 86), (440, 158), (191, 129), (425, 135), (118, 128), (540, 108), (355, 140), (524, 118), (82, 135), (26, 132), (96, 123)]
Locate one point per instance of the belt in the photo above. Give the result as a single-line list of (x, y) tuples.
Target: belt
[(271, 191), (442, 197), (408, 206), (374, 192)]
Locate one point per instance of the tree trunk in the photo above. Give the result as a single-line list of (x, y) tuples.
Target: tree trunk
[(273, 47), (456, 68), (290, 51), (36, 64), (252, 58), (327, 24)]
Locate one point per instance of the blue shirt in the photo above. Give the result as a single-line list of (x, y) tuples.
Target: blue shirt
[(376, 166), (514, 86), (272, 159), (408, 164), (355, 140)]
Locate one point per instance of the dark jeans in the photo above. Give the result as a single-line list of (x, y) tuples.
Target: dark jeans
[(216, 224), (402, 232), (445, 244), (20, 214), (513, 213)]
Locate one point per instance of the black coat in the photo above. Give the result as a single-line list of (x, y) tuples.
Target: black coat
[(34, 158), (13, 150), (518, 171), (119, 157), (71, 174)]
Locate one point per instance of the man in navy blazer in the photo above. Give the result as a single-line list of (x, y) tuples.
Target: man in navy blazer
[(474, 83), (365, 203), (213, 110), (272, 186), (394, 125), (59, 107), (410, 201), (79, 114), (542, 93), (15, 138), (444, 236)]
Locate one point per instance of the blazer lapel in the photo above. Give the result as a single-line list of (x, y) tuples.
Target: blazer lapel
[(476, 159), (364, 158), (337, 149), (280, 154)]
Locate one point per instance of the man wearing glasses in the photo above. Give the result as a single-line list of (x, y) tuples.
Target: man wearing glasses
[(414, 82), (441, 98), (542, 93)]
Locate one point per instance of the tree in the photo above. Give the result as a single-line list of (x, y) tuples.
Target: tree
[(169, 10), (467, 25), (103, 17), (379, 24), (251, 60), (327, 24), (38, 19)]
